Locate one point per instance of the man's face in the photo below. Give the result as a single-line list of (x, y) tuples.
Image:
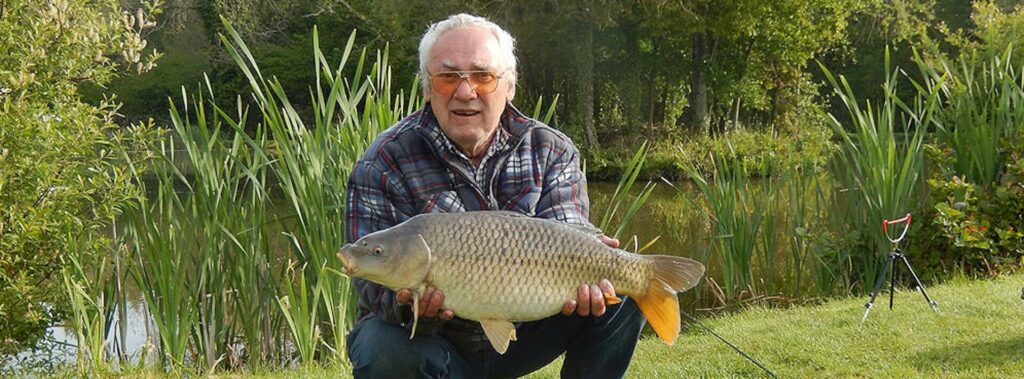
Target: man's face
[(467, 117)]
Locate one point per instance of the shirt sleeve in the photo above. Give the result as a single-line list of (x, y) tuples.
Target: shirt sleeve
[(369, 208), (564, 193)]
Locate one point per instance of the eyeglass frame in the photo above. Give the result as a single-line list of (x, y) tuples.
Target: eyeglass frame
[(465, 76)]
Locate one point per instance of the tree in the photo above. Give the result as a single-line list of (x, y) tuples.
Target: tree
[(60, 184), (755, 52), (559, 45)]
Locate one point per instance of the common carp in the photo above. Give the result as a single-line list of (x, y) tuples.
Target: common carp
[(500, 267)]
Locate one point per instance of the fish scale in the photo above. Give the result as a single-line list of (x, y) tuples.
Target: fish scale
[(500, 267), (518, 268)]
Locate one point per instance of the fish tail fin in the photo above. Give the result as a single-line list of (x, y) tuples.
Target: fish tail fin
[(660, 304)]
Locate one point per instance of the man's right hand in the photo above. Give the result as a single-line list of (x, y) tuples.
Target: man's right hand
[(431, 304)]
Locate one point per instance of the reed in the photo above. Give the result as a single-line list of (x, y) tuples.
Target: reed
[(549, 115), (621, 194), (982, 111), (300, 311), (160, 262), (796, 186), (92, 305), (340, 314), (209, 216), (311, 164), (881, 161), (736, 220), (767, 202)]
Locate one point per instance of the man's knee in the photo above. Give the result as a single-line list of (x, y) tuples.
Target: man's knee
[(382, 350)]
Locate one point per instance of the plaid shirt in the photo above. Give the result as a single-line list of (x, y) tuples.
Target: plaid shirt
[(413, 168)]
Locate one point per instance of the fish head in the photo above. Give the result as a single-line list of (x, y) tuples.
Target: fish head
[(394, 260)]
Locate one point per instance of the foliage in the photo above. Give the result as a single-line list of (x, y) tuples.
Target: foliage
[(995, 29), (759, 149), (881, 160), (765, 152), (984, 233), (301, 314), (768, 229), (761, 48), (61, 179), (982, 114), (208, 215), (92, 299), (974, 217), (618, 65), (977, 228), (628, 179), (736, 217)]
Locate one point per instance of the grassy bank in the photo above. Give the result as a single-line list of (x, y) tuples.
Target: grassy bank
[(977, 333)]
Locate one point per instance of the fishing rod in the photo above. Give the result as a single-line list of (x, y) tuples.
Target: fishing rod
[(745, 355)]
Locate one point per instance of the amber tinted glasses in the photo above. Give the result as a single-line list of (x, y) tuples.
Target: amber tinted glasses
[(446, 82)]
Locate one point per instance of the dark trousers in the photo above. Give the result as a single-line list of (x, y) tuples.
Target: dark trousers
[(594, 347)]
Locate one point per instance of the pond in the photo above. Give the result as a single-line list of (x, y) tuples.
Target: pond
[(668, 217)]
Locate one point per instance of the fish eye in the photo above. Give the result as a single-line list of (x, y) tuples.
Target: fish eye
[(376, 251)]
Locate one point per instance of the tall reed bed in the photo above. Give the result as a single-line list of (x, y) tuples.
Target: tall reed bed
[(764, 229), (982, 113), (880, 163), (311, 163), (735, 215), (203, 243), (92, 299)]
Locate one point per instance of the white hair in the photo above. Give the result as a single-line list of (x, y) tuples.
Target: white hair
[(506, 43)]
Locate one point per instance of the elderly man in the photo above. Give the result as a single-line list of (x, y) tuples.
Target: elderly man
[(469, 149)]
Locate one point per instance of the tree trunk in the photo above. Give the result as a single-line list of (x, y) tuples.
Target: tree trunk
[(697, 117), (652, 88), (585, 83)]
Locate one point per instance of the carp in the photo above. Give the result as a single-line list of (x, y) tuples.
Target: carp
[(500, 267)]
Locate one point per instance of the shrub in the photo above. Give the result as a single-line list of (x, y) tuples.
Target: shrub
[(978, 228), (759, 150), (60, 181)]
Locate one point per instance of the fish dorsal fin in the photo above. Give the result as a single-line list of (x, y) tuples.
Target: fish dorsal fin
[(513, 214), (586, 229), (499, 333)]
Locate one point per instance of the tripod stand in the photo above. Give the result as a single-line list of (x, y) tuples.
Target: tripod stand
[(896, 253)]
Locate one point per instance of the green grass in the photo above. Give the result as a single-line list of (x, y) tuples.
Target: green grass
[(977, 333)]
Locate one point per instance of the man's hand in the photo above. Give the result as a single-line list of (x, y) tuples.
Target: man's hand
[(611, 242), (430, 304), (589, 299)]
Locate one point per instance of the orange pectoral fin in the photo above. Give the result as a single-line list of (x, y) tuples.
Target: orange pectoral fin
[(611, 299)]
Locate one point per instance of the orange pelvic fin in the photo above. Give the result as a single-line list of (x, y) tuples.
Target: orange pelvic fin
[(611, 299), (660, 304)]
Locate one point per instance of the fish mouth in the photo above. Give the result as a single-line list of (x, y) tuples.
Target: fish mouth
[(347, 267)]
